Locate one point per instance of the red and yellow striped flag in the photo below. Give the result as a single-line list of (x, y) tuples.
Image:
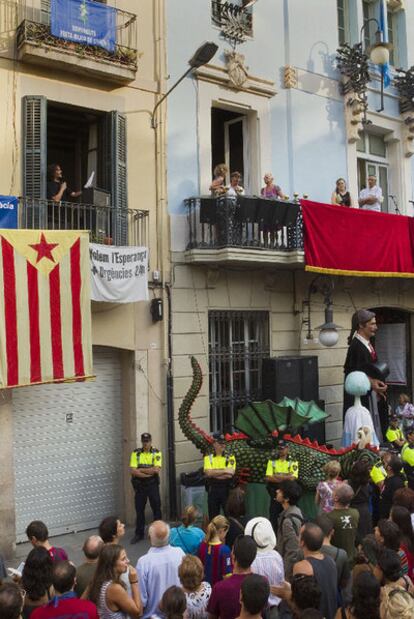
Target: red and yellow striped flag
[(45, 308)]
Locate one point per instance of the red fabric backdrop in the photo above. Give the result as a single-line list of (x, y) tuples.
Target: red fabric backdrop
[(350, 241)]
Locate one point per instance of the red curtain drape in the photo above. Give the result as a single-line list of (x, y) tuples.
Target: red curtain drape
[(349, 241)]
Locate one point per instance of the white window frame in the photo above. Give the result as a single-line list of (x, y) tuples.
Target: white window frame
[(343, 5), (377, 162), (246, 171)]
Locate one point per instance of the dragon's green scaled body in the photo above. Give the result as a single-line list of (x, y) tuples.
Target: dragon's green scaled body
[(252, 456)]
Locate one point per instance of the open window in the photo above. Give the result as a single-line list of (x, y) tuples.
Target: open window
[(373, 161), (82, 141), (230, 142)]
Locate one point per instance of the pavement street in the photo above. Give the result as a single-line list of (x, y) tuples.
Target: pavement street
[(73, 542)]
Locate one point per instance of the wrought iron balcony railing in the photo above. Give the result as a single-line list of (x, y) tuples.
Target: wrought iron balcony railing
[(106, 224), (34, 27), (249, 222)]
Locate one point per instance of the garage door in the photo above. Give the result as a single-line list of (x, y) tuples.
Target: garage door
[(68, 450)]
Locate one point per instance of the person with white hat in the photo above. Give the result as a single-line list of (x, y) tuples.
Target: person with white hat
[(268, 562)]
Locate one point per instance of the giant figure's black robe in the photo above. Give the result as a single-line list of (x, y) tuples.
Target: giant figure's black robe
[(358, 358)]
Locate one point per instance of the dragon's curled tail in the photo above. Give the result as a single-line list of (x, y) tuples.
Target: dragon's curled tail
[(190, 430)]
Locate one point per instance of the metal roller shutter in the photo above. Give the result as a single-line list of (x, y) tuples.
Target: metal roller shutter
[(68, 450)]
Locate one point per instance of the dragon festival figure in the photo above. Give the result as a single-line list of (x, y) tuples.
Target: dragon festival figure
[(254, 446)]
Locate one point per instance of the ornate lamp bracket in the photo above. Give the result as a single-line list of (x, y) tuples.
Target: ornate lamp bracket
[(404, 83), (352, 63), (234, 20)]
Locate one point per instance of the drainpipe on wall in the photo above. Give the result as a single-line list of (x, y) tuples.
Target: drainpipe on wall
[(172, 473)]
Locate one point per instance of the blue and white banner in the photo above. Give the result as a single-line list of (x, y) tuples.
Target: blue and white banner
[(8, 211), (84, 21), (118, 274)]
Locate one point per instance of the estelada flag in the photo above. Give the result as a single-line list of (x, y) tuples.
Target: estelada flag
[(45, 309)]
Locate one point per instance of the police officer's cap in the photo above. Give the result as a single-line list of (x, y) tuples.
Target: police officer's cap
[(282, 444), (409, 430), (146, 436), (219, 437), (393, 417)]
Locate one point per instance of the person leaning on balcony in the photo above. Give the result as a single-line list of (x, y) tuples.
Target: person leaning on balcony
[(235, 189), (370, 198), (341, 196), (57, 188), (218, 185), (270, 190)]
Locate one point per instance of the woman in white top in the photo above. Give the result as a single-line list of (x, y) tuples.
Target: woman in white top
[(268, 562), (106, 589), (196, 590)]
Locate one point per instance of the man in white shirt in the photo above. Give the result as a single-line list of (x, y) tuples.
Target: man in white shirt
[(158, 569), (370, 198)]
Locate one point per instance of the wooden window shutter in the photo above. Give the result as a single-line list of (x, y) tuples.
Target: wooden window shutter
[(34, 146), (119, 185)]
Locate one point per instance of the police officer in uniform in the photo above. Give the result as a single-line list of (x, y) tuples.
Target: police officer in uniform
[(145, 465), (407, 456), (279, 469), (394, 434), (219, 469)]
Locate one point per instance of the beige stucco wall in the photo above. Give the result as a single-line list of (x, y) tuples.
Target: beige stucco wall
[(198, 290), (128, 327)]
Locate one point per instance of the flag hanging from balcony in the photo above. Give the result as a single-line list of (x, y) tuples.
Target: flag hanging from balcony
[(45, 310), (83, 21), (350, 241)]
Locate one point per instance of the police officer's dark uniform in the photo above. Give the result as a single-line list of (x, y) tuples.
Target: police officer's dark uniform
[(279, 466), (407, 457), (145, 487), (218, 489)]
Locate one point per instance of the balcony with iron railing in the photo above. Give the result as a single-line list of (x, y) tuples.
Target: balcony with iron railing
[(36, 45), (107, 225), (245, 230)]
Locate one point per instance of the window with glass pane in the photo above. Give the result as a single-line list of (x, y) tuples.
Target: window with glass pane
[(391, 37), (367, 14), (238, 341), (377, 145), (342, 21)]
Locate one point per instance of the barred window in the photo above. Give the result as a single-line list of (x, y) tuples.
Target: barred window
[(238, 341)]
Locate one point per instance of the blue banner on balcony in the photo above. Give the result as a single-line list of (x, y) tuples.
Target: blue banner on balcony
[(8, 211), (84, 21)]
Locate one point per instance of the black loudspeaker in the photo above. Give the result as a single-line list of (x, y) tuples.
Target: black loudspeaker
[(293, 377)]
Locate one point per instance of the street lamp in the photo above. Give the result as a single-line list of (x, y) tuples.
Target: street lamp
[(379, 53), (328, 331), (201, 56)]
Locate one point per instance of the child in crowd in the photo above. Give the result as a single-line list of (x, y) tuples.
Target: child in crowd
[(213, 552), (324, 490), (405, 411)]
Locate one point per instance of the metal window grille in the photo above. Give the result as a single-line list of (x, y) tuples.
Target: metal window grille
[(238, 341)]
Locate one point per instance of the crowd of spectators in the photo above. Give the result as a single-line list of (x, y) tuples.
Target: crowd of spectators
[(328, 567)]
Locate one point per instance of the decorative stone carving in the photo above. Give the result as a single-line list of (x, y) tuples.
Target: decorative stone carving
[(395, 5), (355, 107), (236, 69), (290, 77), (408, 133), (213, 276)]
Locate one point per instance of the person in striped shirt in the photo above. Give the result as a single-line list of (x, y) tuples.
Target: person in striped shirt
[(213, 552)]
